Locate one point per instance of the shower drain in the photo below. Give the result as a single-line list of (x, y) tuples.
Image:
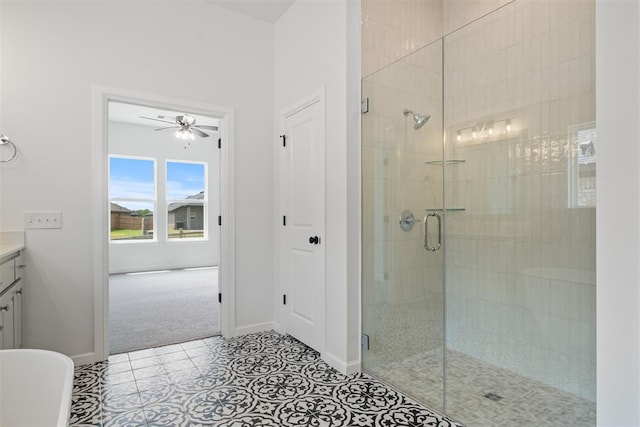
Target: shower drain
[(493, 396)]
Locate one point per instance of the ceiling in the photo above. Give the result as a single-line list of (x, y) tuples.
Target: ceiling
[(130, 113), (264, 10)]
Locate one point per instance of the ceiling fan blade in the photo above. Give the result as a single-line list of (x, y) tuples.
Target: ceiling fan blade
[(157, 120), (168, 127), (207, 127), (199, 132)]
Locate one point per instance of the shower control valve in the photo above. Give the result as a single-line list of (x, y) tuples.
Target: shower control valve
[(407, 220)]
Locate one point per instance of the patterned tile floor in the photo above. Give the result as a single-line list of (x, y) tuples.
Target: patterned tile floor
[(263, 379)]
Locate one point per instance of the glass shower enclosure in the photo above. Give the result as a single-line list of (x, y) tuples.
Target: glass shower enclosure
[(478, 173)]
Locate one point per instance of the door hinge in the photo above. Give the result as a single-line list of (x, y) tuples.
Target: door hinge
[(284, 300), (284, 220), (364, 342), (284, 140), (219, 142), (364, 105), (220, 297), (219, 220)]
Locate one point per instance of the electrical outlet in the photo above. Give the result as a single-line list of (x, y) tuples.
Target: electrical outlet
[(42, 220)]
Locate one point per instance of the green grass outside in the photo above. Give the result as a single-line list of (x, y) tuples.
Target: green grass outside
[(186, 234), (125, 234), (173, 234)]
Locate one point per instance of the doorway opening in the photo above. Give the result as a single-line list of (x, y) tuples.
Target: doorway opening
[(164, 237), (164, 221)]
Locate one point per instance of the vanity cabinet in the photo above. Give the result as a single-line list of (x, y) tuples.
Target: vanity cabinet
[(11, 302)]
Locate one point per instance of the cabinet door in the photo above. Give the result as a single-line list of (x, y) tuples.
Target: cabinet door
[(6, 316), (7, 273), (19, 265), (17, 316)]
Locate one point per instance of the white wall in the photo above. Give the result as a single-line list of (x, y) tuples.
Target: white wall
[(1, 93), (53, 52), (618, 231), (127, 256), (310, 45)]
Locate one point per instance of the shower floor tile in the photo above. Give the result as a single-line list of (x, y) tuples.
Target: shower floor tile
[(263, 379), (484, 395)]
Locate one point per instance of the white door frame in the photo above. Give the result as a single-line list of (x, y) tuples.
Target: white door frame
[(100, 154), (316, 97)]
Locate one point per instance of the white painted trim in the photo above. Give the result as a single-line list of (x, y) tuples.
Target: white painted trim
[(101, 96), (354, 183), (83, 359), (100, 154), (227, 272), (353, 367), (278, 327), (316, 97), (250, 329), (295, 108), (342, 366)]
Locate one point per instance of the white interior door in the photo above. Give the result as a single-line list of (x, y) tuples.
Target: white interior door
[(302, 252)]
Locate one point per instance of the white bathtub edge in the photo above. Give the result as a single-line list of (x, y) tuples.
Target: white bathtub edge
[(64, 412), (67, 394)]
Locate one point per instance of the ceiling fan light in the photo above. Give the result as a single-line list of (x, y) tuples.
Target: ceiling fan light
[(185, 135)]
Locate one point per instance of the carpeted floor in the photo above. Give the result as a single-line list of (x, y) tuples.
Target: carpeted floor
[(160, 308)]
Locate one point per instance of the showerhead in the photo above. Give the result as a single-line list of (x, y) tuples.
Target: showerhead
[(418, 118)]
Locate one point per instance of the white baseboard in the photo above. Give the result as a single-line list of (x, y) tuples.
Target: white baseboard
[(353, 367), (250, 329), (340, 365), (277, 326), (84, 359)]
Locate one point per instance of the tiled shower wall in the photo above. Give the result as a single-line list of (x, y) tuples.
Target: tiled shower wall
[(521, 258), (393, 29)]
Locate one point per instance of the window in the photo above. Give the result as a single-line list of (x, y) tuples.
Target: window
[(132, 198), (187, 205), (582, 166)]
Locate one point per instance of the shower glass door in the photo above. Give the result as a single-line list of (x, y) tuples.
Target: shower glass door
[(502, 333), (520, 272), (403, 220)]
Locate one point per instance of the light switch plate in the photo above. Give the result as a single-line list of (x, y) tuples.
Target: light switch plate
[(34, 220)]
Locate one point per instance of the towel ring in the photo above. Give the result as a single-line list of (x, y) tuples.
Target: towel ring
[(4, 140)]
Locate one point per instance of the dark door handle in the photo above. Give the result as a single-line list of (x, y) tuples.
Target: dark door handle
[(314, 240)]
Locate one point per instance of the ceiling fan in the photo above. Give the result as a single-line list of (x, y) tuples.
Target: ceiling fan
[(186, 126)]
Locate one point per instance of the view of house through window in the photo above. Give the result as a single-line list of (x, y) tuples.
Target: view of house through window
[(186, 200), (132, 198)]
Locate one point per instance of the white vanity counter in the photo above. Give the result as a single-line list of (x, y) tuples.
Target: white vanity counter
[(11, 242), (10, 249)]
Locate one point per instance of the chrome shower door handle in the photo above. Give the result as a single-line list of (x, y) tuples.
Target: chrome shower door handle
[(437, 246)]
